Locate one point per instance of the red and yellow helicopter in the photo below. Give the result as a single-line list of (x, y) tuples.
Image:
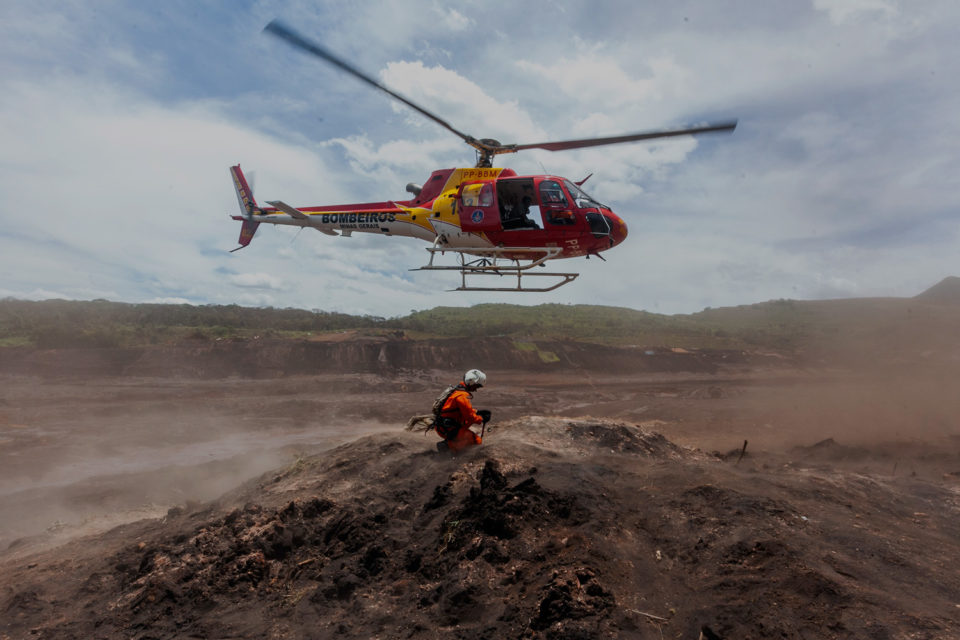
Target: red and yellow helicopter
[(496, 222)]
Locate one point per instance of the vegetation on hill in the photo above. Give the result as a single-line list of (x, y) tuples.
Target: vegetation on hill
[(100, 323), (782, 325), (62, 323), (547, 321)]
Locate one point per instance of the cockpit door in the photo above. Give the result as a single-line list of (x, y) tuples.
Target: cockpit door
[(478, 207)]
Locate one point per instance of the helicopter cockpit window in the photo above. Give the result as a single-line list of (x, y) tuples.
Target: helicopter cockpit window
[(555, 206), (551, 194), (580, 197)]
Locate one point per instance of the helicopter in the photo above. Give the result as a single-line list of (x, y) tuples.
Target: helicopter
[(495, 222)]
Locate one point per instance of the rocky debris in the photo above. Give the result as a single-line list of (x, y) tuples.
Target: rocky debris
[(328, 555), (615, 532), (572, 596)]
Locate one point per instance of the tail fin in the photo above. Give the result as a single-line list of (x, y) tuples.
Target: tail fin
[(248, 207)]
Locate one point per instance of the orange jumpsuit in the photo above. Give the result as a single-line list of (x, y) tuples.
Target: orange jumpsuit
[(459, 408)]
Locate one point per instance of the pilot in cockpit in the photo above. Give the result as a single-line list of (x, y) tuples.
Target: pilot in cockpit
[(527, 208)]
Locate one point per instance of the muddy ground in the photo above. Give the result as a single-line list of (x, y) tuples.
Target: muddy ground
[(603, 504)]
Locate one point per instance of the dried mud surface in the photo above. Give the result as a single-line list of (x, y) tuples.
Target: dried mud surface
[(604, 503)]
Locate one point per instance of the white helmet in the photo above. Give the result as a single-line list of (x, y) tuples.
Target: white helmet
[(475, 377)]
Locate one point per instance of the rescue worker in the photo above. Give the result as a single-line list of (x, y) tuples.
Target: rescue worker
[(458, 416)]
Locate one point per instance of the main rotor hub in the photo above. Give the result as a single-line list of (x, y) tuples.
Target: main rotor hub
[(486, 149)]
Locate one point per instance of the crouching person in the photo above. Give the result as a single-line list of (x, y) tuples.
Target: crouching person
[(459, 424)]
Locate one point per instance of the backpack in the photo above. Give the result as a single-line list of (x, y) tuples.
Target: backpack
[(442, 400), (445, 427)]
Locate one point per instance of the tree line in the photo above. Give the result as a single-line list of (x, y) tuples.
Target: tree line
[(102, 323)]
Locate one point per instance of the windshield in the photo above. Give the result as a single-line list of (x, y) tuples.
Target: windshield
[(580, 197)]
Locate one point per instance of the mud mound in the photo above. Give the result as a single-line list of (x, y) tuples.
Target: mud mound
[(830, 450), (553, 529), (624, 438), (590, 437)]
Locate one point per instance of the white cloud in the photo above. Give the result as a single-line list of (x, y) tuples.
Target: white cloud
[(843, 10), (35, 294), (594, 72), (463, 103), (257, 281), (397, 162), (129, 188), (840, 178), (453, 19)]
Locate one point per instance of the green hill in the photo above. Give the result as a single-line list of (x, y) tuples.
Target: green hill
[(924, 322), (101, 323)]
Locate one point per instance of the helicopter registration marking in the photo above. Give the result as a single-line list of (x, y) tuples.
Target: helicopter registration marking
[(479, 174)]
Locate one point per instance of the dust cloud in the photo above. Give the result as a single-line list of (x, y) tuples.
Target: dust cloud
[(79, 456)]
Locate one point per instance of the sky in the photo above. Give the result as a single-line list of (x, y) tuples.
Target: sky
[(120, 120)]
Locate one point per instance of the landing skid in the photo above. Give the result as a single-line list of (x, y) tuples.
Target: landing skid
[(490, 262)]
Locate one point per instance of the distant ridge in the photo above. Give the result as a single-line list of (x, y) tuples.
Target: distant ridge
[(947, 291), (783, 325)]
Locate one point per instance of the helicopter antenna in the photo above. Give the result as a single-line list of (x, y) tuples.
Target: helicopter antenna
[(486, 148)]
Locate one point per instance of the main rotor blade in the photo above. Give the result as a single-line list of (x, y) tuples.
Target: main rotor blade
[(293, 38), (649, 135)]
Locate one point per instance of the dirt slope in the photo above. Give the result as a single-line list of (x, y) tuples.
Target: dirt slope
[(947, 291), (277, 358), (556, 528)]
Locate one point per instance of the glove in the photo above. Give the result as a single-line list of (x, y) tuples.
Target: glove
[(486, 415)]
